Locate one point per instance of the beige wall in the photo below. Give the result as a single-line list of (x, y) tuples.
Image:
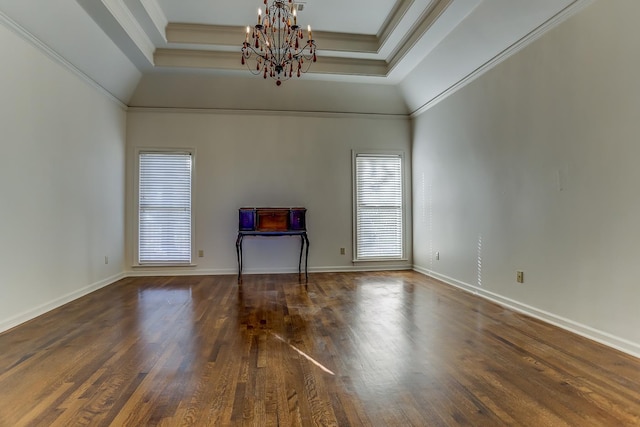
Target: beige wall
[(253, 159), (61, 184), (533, 167), (253, 93)]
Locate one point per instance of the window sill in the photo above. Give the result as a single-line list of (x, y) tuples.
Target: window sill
[(380, 260), (163, 265)]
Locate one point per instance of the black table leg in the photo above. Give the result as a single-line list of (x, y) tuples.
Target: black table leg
[(304, 240), (239, 254), (306, 258), (300, 259)]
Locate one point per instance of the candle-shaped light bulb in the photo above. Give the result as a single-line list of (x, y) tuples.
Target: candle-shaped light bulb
[(295, 17), (246, 39), (259, 16), (309, 31)]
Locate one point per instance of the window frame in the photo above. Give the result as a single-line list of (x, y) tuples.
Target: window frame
[(136, 213), (404, 185)]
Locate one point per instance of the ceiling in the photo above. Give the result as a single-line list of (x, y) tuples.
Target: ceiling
[(118, 42)]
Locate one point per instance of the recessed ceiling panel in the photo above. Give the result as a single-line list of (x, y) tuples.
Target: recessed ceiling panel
[(352, 16)]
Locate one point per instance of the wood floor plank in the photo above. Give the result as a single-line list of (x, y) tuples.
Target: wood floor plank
[(345, 349)]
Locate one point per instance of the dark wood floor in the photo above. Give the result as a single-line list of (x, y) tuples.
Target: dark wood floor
[(378, 349)]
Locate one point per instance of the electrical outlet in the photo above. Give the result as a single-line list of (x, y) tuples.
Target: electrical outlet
[(342, 251), (437, 255), (106, 260), (520, 276), (200, 253)]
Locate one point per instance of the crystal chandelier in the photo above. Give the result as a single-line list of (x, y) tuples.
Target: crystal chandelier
[(277, 44)]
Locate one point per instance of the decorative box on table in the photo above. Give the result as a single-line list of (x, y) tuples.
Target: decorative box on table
[(272, 219)]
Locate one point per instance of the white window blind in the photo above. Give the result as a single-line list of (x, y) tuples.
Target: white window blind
[(164, 205), (378, 186)]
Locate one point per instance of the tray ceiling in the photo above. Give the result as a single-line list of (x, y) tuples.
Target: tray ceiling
[(382, 39), (117, 42)]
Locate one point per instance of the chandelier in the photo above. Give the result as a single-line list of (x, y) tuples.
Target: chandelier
[(277, 45)]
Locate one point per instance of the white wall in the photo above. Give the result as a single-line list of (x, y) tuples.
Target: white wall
[(213, 91), (254, 159), (66, 28), (534, 167), (61, 184)]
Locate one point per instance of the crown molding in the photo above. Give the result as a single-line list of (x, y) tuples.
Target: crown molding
[(218, 35), (157, 16), (423, 25), (227, 35), (278, 113), (347, 42), (197, 59), (516, 47), (397, 13), (52, 54), (191, 58), (121, 13), (350, 66)]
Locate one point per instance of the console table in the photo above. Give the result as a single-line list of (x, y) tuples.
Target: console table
[(273, 222)]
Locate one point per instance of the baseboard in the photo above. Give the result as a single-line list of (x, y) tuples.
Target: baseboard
[(14, 321), (173, 271), (170, 271), (586, 331), (360, 268)]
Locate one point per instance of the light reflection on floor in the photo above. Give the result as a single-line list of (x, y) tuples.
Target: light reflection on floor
[(154, 309), (381, 311)]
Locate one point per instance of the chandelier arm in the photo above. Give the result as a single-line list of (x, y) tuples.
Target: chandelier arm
[(310, 47)]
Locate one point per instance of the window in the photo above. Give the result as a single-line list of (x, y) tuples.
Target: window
[(164, 208), (378, 206)]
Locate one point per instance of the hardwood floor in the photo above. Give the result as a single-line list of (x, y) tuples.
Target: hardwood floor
[(348, 349)]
